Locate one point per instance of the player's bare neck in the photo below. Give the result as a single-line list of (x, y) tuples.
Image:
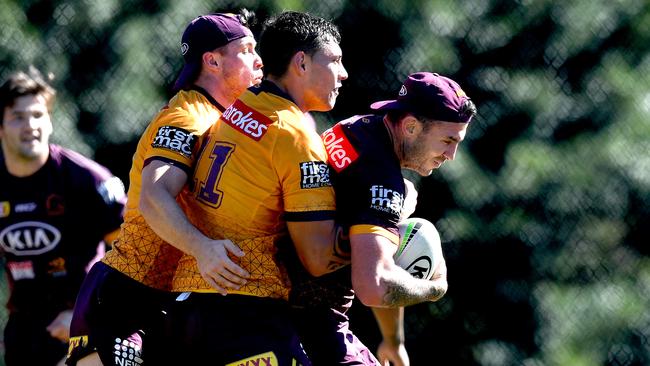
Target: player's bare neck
[(398, 145), (20, 167), (293, 87), (211, 86)]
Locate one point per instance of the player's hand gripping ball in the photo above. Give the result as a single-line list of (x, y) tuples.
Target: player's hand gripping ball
[(419, 251)]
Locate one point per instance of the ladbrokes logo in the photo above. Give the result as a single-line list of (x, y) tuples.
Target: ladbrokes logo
[(314, 174), (246, 120), (175, 139), (385, 199), (340, 152)]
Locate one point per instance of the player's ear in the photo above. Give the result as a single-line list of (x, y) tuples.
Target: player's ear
[(211, 59), (410, 125), (298, 62)]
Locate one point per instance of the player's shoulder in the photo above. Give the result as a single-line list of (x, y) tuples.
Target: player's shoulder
[(361, 126), (77, 164), (189, 112), (262, 113), (86, 175), (360, 139), (184, 99), (185, 104), (269, 100)]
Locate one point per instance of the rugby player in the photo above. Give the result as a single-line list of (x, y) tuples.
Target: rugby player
[(419, 130), (121, 305), (262, 181), (56, 206)]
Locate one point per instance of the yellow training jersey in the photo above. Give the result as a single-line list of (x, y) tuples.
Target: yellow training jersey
[(173, 137), (260, 167)]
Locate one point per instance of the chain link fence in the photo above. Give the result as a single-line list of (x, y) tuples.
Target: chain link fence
[(543, 215)]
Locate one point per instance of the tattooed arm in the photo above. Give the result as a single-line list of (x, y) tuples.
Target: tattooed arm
[(379, 282), (319, 245)]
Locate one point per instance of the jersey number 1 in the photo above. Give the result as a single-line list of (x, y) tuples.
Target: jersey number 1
[(208, 191)]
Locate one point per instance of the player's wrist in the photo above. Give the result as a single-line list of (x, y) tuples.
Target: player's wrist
[(395, 340)]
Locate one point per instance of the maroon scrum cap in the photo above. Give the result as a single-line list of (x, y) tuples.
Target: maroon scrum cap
[(203, 34), (429, 95)]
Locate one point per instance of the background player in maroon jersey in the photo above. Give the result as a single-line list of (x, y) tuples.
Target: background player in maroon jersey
[(55, 207), (121, 302)]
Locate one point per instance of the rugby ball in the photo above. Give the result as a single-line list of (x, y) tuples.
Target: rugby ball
[(420, 250)]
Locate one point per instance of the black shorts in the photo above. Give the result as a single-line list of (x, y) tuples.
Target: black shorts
[(235, 330), (328, 340), (27, 342), (122, 320)]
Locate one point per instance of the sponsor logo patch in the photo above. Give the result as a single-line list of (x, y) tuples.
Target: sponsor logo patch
[(55, 205), (174, 139), (340, 152), (21, 270), (56, 267), (264, 359), (5, 208), (386, 199), (314, 174), (246, 120), (128, 352), (29, 238), (77, 342), (25, 207), (420, 267)]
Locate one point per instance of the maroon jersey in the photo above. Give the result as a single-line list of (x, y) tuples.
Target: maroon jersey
[(367, 179), (50, 225)]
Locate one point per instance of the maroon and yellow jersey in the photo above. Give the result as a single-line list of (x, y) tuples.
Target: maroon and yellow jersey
[(260, 167), (173, 137), (370, 191)]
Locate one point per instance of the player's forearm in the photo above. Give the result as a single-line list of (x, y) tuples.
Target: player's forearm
[(388, 285), (325, 257), (319, 246), (161, 183), (407, 290), (167, 220), (380, 282), (391, 324)]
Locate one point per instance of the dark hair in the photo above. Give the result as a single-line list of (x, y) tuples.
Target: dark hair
[(468, 109), (292, 32), (246, 17), (22, 83)]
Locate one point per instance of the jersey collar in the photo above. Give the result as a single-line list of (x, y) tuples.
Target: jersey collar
[(270, 87), (208, 97)]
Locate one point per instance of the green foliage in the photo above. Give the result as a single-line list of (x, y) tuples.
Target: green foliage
[(544, 213)]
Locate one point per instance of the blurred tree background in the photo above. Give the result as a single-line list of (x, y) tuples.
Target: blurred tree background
[(544, 215)]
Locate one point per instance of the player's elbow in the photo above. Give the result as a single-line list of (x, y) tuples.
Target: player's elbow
[(371, 297), (369, 292), (440, 289), (315, 266)]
